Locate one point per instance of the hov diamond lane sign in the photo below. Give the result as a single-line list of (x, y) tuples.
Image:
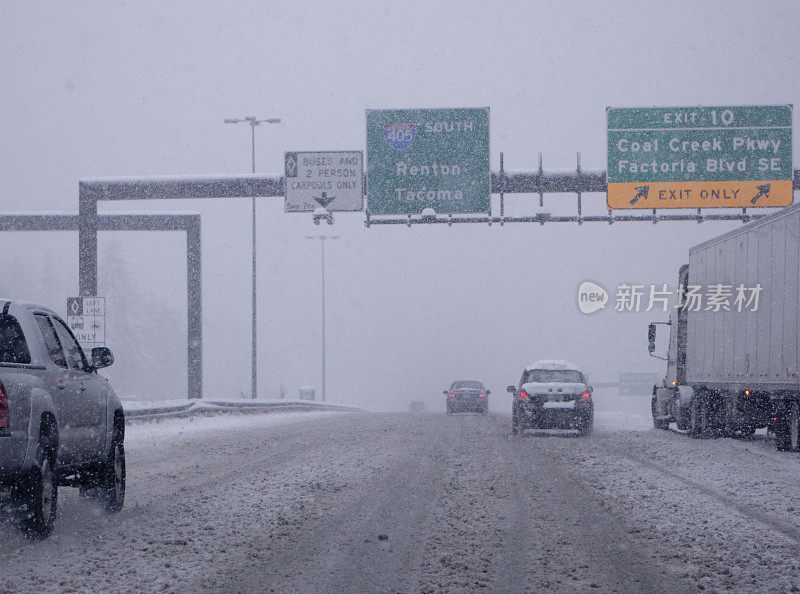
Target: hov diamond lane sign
[(699, 157), (333, 179), (428, 158), (86, 317)]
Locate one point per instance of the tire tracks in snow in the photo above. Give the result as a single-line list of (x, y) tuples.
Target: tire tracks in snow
[(746, 510), (557, 524), (365, 534)]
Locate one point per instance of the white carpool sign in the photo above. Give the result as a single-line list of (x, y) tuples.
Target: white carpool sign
[(332, 179), (86, 317)]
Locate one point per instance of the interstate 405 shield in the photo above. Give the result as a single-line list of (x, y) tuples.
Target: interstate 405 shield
[(428, 158), (700, 157)]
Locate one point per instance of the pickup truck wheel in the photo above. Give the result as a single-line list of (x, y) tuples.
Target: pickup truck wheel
[(41, 496), (112, 479)]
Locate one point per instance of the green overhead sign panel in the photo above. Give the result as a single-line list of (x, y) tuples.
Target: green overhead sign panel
[(700, 157), (428, 158)]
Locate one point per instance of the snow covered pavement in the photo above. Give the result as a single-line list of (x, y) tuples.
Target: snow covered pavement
[(330, 502)]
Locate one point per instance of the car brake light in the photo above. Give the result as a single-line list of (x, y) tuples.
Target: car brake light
[(587, 395), (482, 395), (523, 394), (451, 395), (3, 407)]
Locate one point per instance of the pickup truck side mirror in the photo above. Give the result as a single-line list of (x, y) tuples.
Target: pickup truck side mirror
[(511, 389), (102, 357), (445, 392)]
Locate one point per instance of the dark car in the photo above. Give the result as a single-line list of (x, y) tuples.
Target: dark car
[(467, 396), (552, 395)]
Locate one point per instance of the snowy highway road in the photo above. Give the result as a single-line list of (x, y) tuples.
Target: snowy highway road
[(363, 502)]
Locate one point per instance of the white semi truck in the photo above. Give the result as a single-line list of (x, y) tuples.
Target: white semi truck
[(733, 363)]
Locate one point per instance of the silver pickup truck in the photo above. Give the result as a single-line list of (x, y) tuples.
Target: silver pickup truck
[(61, 424)]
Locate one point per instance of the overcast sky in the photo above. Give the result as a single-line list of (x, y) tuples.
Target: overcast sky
[(105, 89)]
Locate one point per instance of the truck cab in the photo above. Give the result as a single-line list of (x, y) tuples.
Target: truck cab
[(671, 400)]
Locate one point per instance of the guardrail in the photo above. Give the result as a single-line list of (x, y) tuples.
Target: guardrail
[(208, 407)]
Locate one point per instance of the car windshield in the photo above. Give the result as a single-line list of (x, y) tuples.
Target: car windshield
[(467, 384), (540, 376)]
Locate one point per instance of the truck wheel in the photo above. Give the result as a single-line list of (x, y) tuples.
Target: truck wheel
[(40, 492), (700, 424), (748, 431), (684, 421), (515, 428), (112, 477), (694, 418), (657, 423), (794, 428), (781, 428)]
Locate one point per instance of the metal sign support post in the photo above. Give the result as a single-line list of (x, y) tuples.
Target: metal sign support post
[(164, 188), (253, 122), (322, 239), (88, 225)]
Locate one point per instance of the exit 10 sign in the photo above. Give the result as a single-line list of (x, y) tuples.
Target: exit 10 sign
[(700, 157)]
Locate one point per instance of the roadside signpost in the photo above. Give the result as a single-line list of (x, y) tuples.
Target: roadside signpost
[(699, 157), (86, 317), (419, 159), (331, 179)]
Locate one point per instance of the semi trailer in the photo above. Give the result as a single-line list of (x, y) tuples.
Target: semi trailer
[(733, 360)]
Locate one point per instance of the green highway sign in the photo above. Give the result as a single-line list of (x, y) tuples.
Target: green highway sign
[(699, 157), (428, 158)]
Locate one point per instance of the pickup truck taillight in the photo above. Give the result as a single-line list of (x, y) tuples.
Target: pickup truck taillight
[(451, 395), (523, 394), (587, 395), (482, 395), (3, 407)]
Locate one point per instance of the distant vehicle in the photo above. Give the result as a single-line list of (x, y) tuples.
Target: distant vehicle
[(552, 394), (61, 424), (417, 406), (734, 366), (467, 396)]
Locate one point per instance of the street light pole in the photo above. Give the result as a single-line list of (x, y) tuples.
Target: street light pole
[(253, 121), (322, 239)]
